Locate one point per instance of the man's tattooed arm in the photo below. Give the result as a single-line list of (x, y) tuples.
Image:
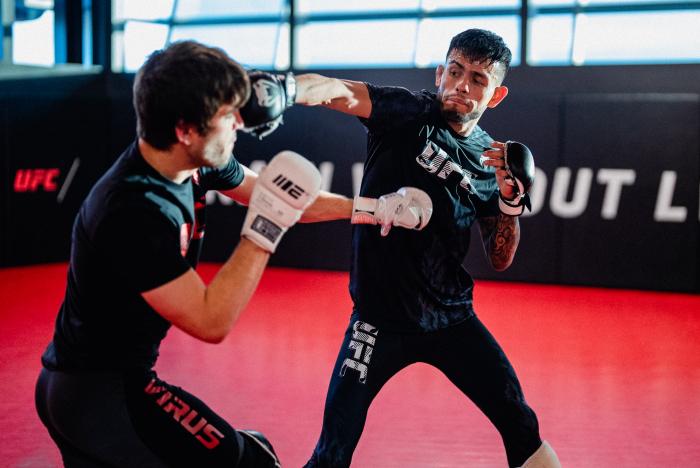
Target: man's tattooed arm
[(500, 235)]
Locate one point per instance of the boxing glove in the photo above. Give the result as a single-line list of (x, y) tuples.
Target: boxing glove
[(284, 189), (270, 96), (520, 166), (408, 207)]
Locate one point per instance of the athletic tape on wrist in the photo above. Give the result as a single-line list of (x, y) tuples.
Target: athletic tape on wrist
[(290, 84), (509, 208), (363, 209)]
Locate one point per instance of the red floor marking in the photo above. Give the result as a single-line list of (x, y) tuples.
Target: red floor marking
[(613, 375)]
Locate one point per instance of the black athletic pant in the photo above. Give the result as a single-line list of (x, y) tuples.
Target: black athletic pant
[(109, 419), (466, 353)]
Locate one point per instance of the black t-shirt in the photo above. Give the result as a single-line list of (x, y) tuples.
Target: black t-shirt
[(135, 231), (414, 280)]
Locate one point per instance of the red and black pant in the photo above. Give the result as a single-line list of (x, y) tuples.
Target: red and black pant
[(135, 419)]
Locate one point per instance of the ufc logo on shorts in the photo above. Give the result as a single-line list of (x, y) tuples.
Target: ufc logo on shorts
[(362, 344), (288, 186)]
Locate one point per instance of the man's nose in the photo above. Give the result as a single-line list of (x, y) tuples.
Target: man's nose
[(463, 86)]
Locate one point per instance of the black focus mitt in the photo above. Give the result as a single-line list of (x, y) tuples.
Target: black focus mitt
[(270, 96)]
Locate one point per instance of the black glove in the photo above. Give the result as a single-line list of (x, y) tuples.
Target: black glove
[(520, 166), (271, 95)]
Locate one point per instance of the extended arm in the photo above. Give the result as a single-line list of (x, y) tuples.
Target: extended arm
[(332, 206), (350, 97), (327, 207)]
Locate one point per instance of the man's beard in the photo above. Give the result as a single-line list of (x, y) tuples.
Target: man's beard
[(213, 155), (451, 115)]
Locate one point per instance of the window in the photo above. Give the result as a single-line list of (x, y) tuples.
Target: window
[(140, 38), (435, 34), (320, 34), (32, 33), (229, 8), (596, 32), (606, 38), (253, 45), (411, 33), (551, 39), (354, 43), (139, 10), (437, 5), (254, 33), (307, 7)]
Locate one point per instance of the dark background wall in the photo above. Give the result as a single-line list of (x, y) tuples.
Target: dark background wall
[(616, 201)]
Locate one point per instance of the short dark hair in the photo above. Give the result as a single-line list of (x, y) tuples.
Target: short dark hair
[(189, 82), (482, 46)]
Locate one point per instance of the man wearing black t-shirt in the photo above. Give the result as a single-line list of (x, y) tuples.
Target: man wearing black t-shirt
[(412, 296), (135, 244)]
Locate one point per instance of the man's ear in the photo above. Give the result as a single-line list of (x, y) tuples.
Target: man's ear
[(438, 74), (184, 132), (499, 94)]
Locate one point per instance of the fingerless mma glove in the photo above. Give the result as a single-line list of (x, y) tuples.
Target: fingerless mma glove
[(520, 166), (408, 207)]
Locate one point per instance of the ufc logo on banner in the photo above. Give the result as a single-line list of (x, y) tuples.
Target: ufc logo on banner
[(288, 186), (364, 337), (29, 180)]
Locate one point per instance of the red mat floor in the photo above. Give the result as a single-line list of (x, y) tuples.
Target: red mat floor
[(613, 375)]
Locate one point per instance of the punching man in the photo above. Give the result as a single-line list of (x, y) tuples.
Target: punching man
[(412, 295)]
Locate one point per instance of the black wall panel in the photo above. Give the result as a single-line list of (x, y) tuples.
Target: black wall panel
[(595, 120), (54, 150), (649, 133)]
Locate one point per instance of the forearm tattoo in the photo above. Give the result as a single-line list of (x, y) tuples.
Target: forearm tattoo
[(500, 235)]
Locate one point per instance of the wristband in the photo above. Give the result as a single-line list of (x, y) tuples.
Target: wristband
[(509, 208), (363, 209), (290, 88)]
